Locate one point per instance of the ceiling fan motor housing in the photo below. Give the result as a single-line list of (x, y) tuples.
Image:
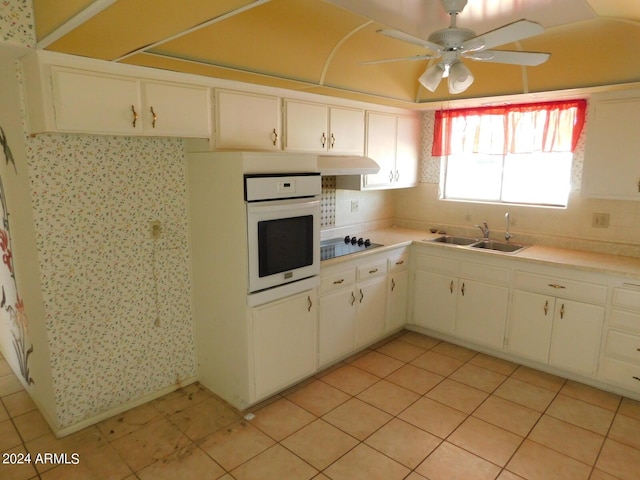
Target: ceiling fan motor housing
[(451, 38)]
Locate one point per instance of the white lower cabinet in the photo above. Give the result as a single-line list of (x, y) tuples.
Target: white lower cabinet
[(621, 360), (284, 342), (397, 291), (460, 298), (554, 329)]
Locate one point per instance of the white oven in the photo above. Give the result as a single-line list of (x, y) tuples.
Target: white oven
[(283, 234)]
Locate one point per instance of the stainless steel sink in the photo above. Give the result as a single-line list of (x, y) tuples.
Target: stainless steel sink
[(451, 240), (498, 246)]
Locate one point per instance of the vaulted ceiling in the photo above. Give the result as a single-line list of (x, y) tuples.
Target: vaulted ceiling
[(319, 45)]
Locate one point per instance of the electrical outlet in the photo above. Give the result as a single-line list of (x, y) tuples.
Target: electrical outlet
[(600, 220), (156, 229), (355, 205)]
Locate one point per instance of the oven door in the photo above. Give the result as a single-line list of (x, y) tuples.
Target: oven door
[(284, 241)]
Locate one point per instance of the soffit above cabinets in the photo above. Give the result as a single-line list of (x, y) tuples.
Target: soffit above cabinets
[(319, 45)]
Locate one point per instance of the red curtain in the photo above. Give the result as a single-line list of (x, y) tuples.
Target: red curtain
[(533, 127)]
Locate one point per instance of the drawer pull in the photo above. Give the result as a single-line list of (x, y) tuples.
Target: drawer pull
[(636, 378), (555, 285), (562, 311), (338, 282), (399, 262), (546, 308), (373, 271)]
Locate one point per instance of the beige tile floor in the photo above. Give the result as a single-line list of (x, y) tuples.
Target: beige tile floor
[(409, 408)]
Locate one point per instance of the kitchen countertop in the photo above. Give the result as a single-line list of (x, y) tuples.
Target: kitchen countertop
[(588, 261)]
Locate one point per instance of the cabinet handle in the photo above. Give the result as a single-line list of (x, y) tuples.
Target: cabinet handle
[(333, 141), (451, 286), (555, 285), (353, 299), (373, 271), (397, 175), (399, 262), (636, 378), (462, 289), (154, 117), (338, 282), (310, 303), (323, 139), (390, 176), (546, 308), (562, 311), (275, 137), (135, 116), (638, 186), (393, 284), (361, 296)]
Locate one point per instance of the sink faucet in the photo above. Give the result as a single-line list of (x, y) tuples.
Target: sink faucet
[(485, 230), (507, 235)]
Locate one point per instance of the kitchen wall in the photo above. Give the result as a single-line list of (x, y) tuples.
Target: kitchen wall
[(569, 227)]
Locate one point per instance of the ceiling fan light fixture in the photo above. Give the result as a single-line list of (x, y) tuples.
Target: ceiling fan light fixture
[(431, 77), (460, 77)]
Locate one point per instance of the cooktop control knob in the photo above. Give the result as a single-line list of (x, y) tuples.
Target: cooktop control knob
[(367, 243), (347, 239), (354, 240), (361, 241)]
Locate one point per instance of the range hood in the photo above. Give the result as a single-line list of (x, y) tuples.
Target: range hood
[(346, 165)]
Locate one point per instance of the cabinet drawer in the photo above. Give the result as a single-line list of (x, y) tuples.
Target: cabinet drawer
[(398, 263), (337, 280), (623, 346), (621, 373), (478, 271), (441, 265), (561, 287), (622, 319), (623, 297), (372, 270)]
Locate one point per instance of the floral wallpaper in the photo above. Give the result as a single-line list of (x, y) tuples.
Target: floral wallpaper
[(118, 311), (17, 23), (10, 301)]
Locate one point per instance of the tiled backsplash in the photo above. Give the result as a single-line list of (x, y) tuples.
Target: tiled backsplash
[(328, 202)]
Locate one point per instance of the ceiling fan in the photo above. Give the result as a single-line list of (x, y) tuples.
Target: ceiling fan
[(453, 43)]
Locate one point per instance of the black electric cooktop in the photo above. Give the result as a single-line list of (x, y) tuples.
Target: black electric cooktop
[(337, 247)]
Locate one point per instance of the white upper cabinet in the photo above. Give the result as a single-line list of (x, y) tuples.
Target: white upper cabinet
[(247, 121), (392, 141), (318, 128), (74, 100), (611, 164)]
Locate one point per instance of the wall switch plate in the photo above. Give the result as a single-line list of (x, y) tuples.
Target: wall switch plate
[(600, 220), (355, 205)]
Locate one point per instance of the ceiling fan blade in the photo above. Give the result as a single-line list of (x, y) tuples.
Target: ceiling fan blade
[(405, 37), (530, 59), (399, 59), (509, 33)]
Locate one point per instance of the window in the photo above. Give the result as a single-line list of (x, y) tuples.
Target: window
[(513, 154)]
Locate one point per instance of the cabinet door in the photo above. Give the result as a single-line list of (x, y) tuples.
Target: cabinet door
[(397, 291), (611, 168), (481, 312), (284, 334), (306, 127), (407, 151), (176, 110), (576, 335), (530, 325), (346, 127), (336, 325), (92, 103), (371, 298), (381, 146), (434, 301), (247, 121)]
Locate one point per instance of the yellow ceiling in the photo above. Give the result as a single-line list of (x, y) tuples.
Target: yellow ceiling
[(318, 46)]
